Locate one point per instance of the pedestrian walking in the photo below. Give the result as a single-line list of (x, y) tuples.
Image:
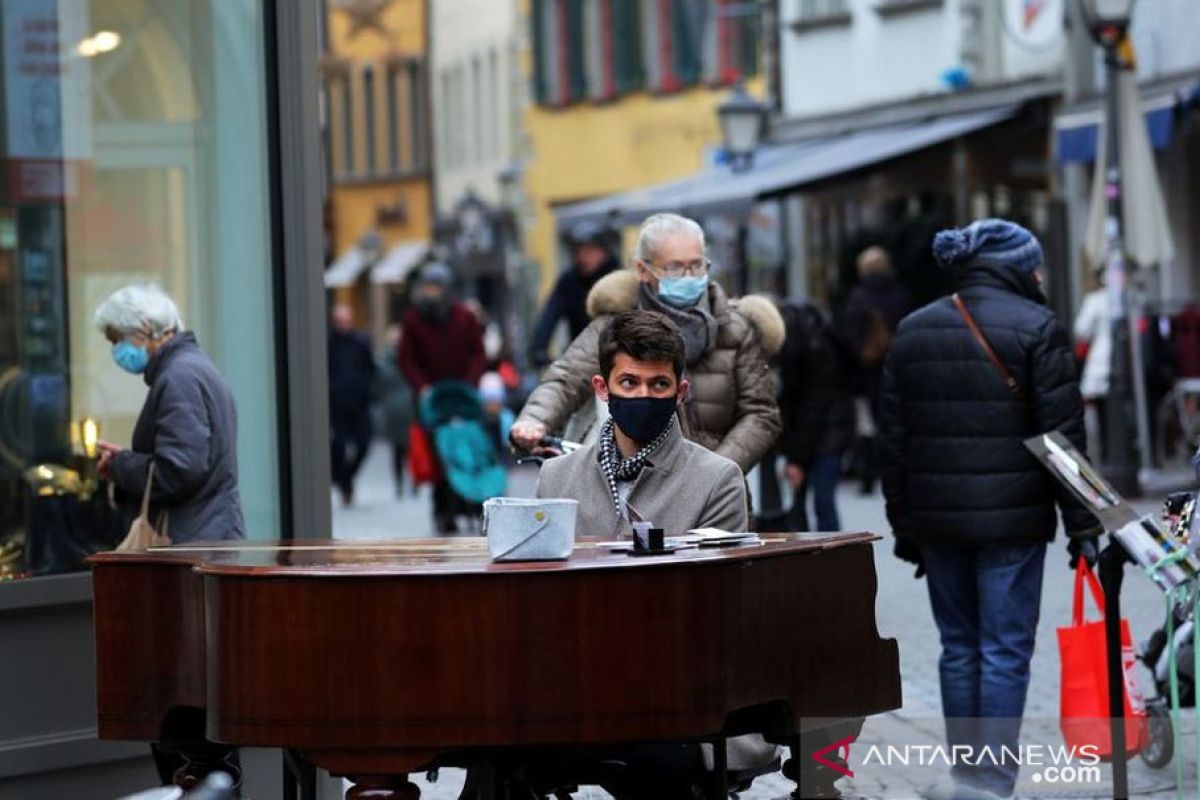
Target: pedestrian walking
[(183, 453), (396, 405), (967, 380), (817, 408), (351, 376), (731, 407), (442, 341), (590, 245), (873, 309)]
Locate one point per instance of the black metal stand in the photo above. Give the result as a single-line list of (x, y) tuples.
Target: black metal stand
[(1112, 573), (299, 777)]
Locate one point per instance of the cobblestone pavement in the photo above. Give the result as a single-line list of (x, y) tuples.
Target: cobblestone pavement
[(902, 610)]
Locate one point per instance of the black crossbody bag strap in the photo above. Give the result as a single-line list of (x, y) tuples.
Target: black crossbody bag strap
[(1014, 388)]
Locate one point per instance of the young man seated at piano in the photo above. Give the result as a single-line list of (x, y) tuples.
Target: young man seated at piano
[(642, 468)]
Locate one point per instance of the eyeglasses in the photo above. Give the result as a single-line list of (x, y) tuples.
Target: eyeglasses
[(677, 269)]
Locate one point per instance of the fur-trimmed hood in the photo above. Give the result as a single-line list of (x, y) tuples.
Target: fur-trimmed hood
[(619, 292)]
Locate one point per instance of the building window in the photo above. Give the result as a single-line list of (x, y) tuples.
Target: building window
[(368, 88), (812, 14), (600, 49), (479, 116), (418, 128), (497, 91), (628, 67), (447, 111), (406, 124), (347, 104), (393, 121)]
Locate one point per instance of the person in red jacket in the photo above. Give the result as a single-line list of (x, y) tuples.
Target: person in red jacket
[(442, 342)]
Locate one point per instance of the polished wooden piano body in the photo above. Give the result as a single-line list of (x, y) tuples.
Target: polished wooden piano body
[(375, 658)]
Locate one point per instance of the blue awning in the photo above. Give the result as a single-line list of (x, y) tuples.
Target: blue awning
[(1076, 131), (779, 169)]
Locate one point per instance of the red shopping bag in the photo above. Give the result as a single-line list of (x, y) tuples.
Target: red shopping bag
[(422, 461), (1081, 647)]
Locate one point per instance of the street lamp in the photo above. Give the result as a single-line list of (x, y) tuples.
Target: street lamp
[(742, 121), (1108, 21)]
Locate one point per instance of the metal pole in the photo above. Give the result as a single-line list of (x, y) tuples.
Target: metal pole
[(1112, 573), (1120, 456)]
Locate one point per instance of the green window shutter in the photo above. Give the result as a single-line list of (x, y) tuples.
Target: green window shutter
[(576, 52), (749, 44), (687, 38), (627, 46)]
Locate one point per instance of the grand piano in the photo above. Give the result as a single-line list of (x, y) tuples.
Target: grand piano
[(378, 659)]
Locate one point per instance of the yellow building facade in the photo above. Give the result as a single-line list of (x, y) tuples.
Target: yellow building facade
[(376, 111), (594, 146)]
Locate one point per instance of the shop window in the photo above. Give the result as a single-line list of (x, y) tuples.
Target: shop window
[(136, 156)]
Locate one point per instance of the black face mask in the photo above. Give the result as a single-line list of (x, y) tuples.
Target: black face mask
[(431, 308), (641, 418)]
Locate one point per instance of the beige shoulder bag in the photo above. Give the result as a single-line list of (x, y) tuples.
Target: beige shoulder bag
[(142, 534)]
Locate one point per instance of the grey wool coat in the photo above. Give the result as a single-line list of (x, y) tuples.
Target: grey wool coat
[(188, 426), (682, 486), (731, 407)]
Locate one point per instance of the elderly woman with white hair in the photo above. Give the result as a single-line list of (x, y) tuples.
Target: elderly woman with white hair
[(187, 426)]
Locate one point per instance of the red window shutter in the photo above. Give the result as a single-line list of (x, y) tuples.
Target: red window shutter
[(727, 41), (666, 47), (563, 67)]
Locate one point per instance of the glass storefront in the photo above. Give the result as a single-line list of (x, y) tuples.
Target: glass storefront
[(134, 149)]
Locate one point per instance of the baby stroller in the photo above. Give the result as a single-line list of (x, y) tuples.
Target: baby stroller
[(1156, 651), (453, 414)]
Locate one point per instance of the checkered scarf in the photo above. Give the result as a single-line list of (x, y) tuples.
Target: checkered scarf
[(618, 468)]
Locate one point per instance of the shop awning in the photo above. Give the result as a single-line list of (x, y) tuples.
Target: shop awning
[(346, 269), (779, 169), (399, 261), (1077, 130)]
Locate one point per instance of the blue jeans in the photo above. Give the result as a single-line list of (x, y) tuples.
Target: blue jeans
[(986, 601), (821, 476)]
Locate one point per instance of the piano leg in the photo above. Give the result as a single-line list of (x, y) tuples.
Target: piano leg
[(299, 777), (382, 787)]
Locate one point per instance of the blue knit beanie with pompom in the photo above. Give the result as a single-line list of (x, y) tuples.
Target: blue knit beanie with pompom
[(988, 242)]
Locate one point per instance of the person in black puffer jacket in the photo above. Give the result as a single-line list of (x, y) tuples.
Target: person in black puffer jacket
[(817, 410), (966, 500)]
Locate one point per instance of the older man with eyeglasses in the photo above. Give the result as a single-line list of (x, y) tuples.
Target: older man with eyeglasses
[(731, 409)]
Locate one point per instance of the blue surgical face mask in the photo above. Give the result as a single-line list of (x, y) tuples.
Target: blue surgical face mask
[(129, 357), (682, 292)]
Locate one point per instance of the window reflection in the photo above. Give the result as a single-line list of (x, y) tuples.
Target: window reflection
[(135, 151)]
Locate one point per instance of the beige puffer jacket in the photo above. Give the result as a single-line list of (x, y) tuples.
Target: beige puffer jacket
[(731, 408)]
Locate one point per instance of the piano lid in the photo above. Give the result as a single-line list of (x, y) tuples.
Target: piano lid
[(442, 556)]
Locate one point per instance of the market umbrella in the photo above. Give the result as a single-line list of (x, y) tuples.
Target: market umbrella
[(1146, 231)]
